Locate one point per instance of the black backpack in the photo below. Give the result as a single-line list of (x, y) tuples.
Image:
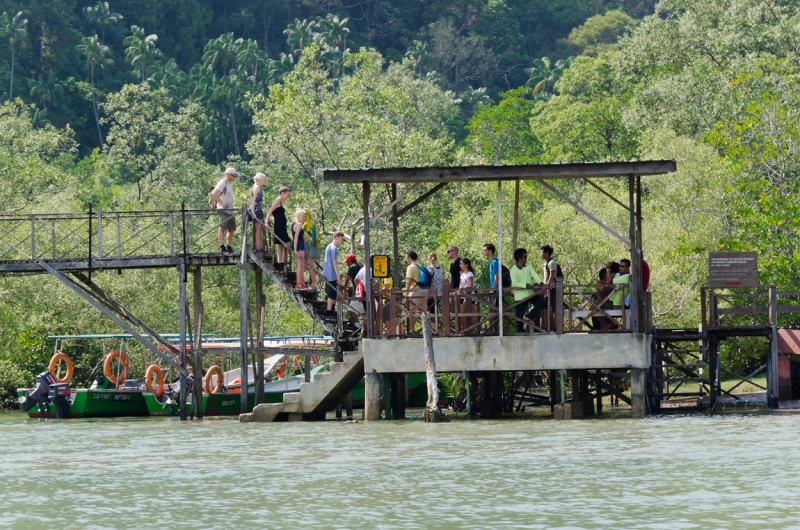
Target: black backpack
[(505, 276), (559, 274)]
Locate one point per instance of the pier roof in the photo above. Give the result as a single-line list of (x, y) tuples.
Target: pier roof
[(440, 174)]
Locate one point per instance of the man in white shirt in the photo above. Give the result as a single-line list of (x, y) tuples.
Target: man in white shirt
[(223, 195)]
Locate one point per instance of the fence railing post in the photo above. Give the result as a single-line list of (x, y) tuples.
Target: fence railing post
[(119, 238), (33, 237), (172, 231), (99, 233)]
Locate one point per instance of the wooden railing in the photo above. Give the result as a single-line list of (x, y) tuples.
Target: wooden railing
[(459, 312)]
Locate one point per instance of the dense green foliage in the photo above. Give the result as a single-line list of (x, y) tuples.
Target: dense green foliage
[(138, 105)]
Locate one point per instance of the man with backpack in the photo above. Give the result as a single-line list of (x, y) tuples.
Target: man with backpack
[(497, 273), (418, 281), (551, 270)]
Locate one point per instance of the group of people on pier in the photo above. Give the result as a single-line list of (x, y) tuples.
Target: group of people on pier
[(534, 295)]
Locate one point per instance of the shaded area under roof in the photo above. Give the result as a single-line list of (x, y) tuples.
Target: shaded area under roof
[(576, 170)]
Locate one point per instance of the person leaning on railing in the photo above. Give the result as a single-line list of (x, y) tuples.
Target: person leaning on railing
[(523, 279), (624, 279)]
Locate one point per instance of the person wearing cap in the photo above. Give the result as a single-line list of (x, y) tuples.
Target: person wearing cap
[(222, 194), (355, 307)]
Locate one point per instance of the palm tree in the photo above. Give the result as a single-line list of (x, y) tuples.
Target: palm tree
[(220, 54), (141, 51), (96, 55), (474, 98), (333, 32), (15, 29), (544, 75), (418, 51), (104, 18), (49, 94), (250, 58), (299, 35)]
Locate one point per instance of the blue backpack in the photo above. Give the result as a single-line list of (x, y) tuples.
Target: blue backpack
[(425, 278)]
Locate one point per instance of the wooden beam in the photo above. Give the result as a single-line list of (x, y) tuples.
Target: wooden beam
[(182, 327), (584, 212), (367, 262), (516, 217), (393, 205), (490, 173), (197, 361), (419, 200), (604, 192), (260, 313), (267, 351)]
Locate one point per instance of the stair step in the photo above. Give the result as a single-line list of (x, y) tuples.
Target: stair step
[(681, 365), (680, 394), (681, 379)]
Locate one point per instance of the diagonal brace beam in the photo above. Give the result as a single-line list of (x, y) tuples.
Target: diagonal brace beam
[(418, 200), (113, 305), (584, 212), (106, 311)]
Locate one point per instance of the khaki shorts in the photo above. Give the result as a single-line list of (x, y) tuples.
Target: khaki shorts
[(417, 300), (227, 220)]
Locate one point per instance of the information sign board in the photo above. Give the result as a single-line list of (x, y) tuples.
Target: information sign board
[(733, 269), (380, 266)]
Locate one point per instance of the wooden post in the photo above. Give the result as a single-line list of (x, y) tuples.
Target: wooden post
[(260, 314), (182, 330), (197, 359), (598, 374), (395, 239), (772, 373), (243, 333), (500, 249), (372, 397), (516, 217), (368, 303), (638, 381), (387, 396), (632, 289)]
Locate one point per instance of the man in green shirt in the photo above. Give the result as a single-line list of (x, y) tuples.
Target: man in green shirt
[(624, 279), (523, 279)]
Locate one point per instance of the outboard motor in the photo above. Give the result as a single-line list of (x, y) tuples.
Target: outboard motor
[(59, 394), (41, 391)]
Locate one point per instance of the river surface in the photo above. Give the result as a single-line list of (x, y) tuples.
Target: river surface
[(737, 470)]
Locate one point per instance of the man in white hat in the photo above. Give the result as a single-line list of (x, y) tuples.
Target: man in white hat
[(223, 195)]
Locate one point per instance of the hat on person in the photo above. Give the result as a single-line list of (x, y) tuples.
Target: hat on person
[(231, 171), (349, 258)]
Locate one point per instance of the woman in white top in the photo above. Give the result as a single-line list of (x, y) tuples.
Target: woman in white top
[(467, 286), (437, 277)]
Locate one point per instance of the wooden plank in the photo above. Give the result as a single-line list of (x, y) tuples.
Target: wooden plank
[(182, 326), (197, 360), (491, 173)]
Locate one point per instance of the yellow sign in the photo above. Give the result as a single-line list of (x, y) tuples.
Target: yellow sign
[(380, 266)]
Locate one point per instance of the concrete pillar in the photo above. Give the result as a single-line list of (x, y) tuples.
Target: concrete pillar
[(638, 381), (372, 397)]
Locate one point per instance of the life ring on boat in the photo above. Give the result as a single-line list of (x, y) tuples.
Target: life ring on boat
[(54, 368), (148, 377), (215, 369), (296, 362), (107, 370)]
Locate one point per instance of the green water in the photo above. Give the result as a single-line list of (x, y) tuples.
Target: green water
[(700, 471)]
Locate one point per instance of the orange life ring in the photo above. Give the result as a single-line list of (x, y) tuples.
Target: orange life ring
[(148, 377), (123, 360), (215, 369), (296, 362), (54, 368)]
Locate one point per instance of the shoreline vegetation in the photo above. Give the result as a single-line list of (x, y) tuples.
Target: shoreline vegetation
[(105, 105)]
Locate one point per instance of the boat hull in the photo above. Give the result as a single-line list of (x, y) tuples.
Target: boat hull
[(96, 403)]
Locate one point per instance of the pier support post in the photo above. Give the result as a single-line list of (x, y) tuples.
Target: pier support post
[(638, 386), (197, 358), (372, 397), (243, 333), (260, 336), (182, 327)]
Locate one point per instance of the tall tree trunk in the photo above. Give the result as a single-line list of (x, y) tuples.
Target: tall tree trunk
[(11, 89), (96, 113), (233, 125)]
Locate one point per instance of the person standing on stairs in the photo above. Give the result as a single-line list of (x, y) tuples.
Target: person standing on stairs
[(312, 248), (222, 194), (257, 211), (281, 237), (299, 243), (330, 269)]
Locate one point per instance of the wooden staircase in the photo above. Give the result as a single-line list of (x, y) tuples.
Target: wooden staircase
[(679, 373), (307, 300)]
